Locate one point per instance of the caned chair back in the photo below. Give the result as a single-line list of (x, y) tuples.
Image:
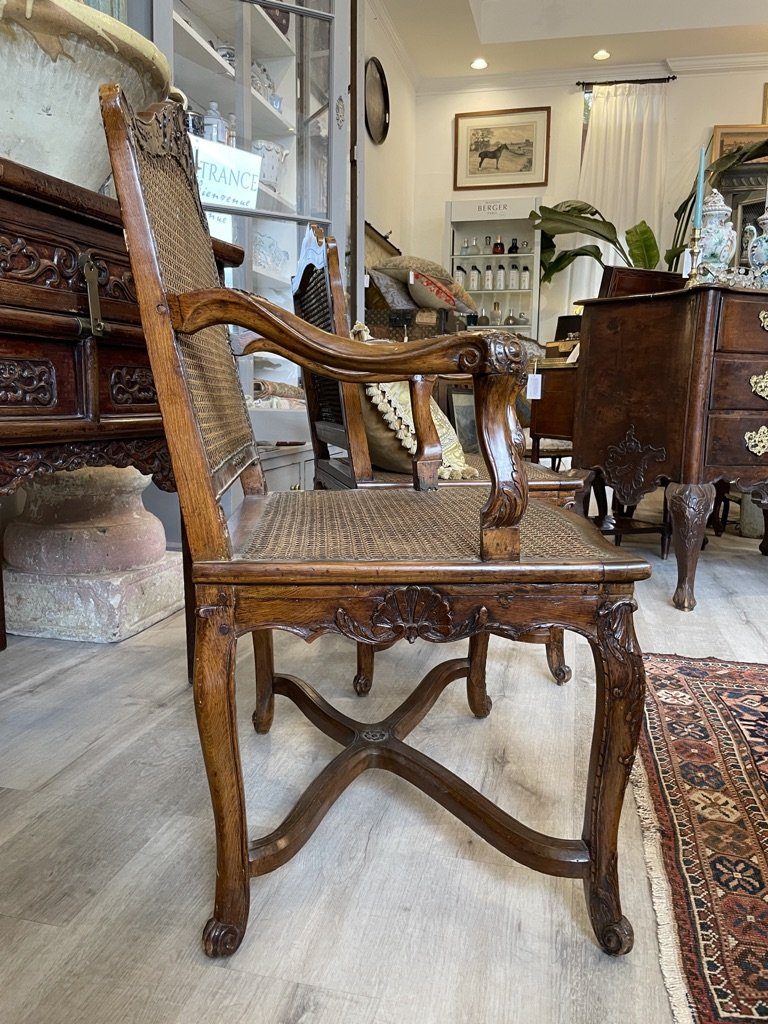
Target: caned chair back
[(206, 419), (333, 407)]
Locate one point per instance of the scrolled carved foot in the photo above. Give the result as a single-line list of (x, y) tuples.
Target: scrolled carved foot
[(362, 684), (555, 648), (220, 938), (481, 708), (617, 939), (262, 720), (683, 598)]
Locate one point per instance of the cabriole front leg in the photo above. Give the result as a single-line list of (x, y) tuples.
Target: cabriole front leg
[(214, 691), (620, 693), (690, 506)]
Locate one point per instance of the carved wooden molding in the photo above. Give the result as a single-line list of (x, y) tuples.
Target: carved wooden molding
[(148, 456), (626, 466), (27, 382), (410, 613), (34, 260), (132, 385)]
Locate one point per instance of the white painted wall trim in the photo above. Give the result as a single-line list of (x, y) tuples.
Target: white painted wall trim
[(377, 10), (720, 64)]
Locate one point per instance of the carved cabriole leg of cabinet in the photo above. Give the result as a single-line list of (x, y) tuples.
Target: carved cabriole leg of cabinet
[(480, 703), (619, 700), (264, 666), (689, 506), (214, 691)]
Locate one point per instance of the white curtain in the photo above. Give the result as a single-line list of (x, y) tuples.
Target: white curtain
[(623, 170)]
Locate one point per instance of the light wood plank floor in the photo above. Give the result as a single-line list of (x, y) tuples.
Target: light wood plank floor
[(393, 913)]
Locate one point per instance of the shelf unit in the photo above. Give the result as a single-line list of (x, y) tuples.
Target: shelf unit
[(307, 68), (468, 219)]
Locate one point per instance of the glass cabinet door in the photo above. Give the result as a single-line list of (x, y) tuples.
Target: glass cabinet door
[(262, 85)]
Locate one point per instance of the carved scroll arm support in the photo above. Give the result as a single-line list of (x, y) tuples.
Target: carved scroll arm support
[(283, 333)]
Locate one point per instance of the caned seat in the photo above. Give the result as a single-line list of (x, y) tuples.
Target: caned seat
[(472, 561)]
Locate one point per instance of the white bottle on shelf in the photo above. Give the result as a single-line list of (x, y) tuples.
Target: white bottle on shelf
[(525, 279), (501, 278), (488, 278), (459, 275), (474, 278), (514, 278), (212, 123)]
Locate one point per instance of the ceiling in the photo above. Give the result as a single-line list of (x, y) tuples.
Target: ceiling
[(442, 37)]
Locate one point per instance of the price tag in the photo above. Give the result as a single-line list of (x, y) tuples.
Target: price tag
[(533, 390)]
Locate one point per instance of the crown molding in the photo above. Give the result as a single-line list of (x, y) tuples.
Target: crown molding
[(375, 8), (541, 79), (719, 64)]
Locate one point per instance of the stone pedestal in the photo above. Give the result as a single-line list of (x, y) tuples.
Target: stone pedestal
[(86, 561)]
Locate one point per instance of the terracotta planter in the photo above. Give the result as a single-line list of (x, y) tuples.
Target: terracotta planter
[(54, 55)]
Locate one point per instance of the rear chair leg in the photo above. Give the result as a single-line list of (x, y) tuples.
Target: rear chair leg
[(264, 665), (363, 681), (214, 693), (480, 703), (556, 656), (618, 715)]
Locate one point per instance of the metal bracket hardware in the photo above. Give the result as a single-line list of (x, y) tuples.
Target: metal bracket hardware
[(91, 274)]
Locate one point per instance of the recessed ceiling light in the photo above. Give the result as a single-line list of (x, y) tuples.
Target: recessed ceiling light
[(479, 64), (601, 55)]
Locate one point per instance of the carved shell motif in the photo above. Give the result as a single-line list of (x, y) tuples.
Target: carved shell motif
[(409, 613)]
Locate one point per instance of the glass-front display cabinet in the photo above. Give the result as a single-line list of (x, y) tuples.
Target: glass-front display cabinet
[(267, 92)]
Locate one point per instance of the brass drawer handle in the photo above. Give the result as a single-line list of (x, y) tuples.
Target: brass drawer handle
[(764, 319), (757, 441), (759, 384)]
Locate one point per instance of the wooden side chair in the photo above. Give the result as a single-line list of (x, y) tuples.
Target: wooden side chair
[(336, 420), (476, 559)]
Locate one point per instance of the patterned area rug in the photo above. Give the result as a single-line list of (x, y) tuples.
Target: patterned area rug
[(701, 785)]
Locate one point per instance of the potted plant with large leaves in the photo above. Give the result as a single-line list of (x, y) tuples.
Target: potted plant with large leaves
[(574, 216)]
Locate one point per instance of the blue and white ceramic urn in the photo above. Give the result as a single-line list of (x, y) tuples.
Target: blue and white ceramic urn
[(718, 239)]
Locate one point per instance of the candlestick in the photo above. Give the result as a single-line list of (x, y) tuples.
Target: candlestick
[(697, 210), (695, 249)]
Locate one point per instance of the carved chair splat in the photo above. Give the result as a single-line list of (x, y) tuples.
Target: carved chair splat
[(482, 560)]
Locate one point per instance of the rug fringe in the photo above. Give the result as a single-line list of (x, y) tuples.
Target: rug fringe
[(661, 895)]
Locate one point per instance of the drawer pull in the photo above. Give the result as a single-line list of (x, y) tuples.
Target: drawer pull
[(764, 319), (757, 441), (759, 384)]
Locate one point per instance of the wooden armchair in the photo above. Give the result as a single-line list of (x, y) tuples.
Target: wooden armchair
[(478, 559), (336, 419)]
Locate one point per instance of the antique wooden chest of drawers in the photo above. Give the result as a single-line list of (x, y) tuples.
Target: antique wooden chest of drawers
[(672, 389)]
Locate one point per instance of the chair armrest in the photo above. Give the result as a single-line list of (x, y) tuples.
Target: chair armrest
[(284, 333), (495, 358)]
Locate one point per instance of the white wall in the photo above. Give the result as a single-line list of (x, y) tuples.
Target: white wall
[(390, 167), (434, 165), (696, 103)]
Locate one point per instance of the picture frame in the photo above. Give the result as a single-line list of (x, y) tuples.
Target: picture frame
[(461, 413), (497, 149), (727, 137)]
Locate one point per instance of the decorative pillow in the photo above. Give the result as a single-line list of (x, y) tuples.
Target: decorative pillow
[(429, 293), (400, 267), (393, 291), (464, 301), (388, 421)]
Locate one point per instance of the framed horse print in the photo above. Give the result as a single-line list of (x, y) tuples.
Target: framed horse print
[(501, 148)]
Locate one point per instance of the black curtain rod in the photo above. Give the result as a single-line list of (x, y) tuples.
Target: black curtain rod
[(629, 81)]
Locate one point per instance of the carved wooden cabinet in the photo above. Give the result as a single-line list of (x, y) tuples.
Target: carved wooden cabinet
[(672, 389), (75, 384)]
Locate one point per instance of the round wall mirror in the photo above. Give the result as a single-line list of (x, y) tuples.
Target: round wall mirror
[(376, 101)]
